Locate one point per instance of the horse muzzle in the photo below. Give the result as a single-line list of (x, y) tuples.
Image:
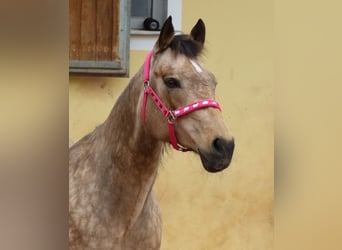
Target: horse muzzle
[(220, 155)]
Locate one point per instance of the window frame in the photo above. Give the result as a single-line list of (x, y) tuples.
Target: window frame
[(119, 67)]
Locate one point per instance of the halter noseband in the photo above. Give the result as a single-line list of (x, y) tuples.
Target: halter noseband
[(171, 115)]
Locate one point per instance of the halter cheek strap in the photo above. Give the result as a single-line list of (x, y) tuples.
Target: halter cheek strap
[(171, 115)]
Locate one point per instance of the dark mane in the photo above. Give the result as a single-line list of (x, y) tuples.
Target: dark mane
[(183, 44)]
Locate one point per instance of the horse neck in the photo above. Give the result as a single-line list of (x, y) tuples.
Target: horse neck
[(125, 129), (133, 154)]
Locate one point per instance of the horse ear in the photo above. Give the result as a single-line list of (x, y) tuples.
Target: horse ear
[(198, 32), (167, 34)]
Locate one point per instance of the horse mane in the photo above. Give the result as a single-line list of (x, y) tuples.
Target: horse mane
[(185, 45)]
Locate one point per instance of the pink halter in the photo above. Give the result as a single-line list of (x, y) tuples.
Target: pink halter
[(171, 115)]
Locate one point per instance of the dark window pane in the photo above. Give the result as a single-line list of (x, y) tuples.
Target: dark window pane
[(141, 8)]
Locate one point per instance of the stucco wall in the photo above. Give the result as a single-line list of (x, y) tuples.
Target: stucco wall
[(232, 209)]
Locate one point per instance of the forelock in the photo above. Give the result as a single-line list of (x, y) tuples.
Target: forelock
[(183, 44)]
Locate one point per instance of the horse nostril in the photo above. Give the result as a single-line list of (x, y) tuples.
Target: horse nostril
[(224, 147)]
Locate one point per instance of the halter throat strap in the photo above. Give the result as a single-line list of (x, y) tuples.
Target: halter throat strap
[(171, 115)]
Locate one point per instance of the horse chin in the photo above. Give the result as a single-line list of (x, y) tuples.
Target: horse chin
[(212, 163)]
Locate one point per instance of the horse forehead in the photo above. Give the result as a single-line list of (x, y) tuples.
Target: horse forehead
[(192, 64), (182, 65), (199, 72), (196, 66)]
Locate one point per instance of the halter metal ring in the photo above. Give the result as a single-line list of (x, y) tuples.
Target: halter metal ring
[(171, 116)]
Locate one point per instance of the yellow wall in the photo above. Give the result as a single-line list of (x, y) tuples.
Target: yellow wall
[(232, 209)]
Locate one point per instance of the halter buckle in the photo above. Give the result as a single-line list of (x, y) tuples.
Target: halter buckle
[(171, 116), (146, 84)]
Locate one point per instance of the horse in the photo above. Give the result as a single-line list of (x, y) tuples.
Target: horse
[(112, 169)]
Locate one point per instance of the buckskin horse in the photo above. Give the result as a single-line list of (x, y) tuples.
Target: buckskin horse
[(112, 170)]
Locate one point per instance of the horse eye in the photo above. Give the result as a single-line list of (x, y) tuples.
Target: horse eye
[(172, 83)]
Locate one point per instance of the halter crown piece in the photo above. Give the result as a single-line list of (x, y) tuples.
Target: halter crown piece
[(171, 115)]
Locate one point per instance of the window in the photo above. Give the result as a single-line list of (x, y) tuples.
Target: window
[(98, 37), (141, 39), (143, 9)]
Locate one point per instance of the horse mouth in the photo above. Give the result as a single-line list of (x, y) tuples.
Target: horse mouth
[(212, 162), (219, 156)]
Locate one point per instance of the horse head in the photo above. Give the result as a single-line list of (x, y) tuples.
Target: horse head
[(179, 79)]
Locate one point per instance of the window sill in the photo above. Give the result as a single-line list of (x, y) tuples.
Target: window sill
[(135, 32)]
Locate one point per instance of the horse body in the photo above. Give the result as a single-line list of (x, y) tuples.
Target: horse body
[(112, 170)]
